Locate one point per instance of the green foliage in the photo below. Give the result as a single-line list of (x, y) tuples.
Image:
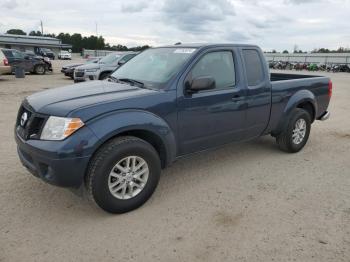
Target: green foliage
[(16, 32), (326, 50), (80, 42), (33, 33), (285, 52)]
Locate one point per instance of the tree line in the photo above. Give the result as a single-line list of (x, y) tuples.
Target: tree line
[(80, 42), (320, 50)]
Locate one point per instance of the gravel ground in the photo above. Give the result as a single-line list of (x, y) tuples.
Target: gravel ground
[(248, 202)]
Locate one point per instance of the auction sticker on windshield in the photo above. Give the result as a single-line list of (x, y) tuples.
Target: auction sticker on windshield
[(184, 50)]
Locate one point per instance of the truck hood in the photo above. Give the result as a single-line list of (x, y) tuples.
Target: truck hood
[(61, 101), (71, 65)]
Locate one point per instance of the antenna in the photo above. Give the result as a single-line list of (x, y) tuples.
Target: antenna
[(42, 27), (96, 28)]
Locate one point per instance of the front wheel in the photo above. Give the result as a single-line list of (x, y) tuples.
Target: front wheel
[(123, 174), (40, 70), (297, 132)]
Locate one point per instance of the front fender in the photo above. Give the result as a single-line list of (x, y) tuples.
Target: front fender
[(296, 99), (110, 125)]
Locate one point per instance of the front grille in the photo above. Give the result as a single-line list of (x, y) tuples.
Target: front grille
[(29, 124), (79, 74)]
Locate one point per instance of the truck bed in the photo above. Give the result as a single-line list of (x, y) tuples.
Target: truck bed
[(282, 76), (287, 87)]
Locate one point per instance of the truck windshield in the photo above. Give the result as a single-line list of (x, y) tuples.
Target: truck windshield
[(109, 59), (154, 67)]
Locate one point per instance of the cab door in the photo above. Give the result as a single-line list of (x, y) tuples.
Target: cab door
[(212, 117)]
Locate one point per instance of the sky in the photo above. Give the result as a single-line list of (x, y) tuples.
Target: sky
[(271, 24)]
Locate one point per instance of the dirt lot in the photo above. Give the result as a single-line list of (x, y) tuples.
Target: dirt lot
[(248, 202)]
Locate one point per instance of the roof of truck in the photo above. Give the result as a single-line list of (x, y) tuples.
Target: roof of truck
[(200, 45)]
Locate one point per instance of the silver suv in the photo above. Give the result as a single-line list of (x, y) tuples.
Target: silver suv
[(102, 69)]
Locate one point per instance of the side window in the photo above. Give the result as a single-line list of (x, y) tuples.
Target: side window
[(17, 54), (7, 53), (253, 67), (218, 65)]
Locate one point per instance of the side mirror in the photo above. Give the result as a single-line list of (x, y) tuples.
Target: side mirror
[(26, 57), (121, 62), (201, 83)]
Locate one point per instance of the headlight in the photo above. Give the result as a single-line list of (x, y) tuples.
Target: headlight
[(58, 128), (91, 70)]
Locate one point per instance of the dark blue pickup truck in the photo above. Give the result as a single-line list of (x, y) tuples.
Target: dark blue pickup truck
[(115, 136)]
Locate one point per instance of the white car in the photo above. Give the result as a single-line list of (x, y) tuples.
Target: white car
[(103, 68), (64, 55)]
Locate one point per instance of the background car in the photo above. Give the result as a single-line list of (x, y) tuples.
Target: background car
[(5, 67), (28, 61), (64, 55), (102, 69), (68, 70), (45, 52)]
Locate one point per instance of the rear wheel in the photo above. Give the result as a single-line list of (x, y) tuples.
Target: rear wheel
[(296, 134), (40, 69), (123, 174)]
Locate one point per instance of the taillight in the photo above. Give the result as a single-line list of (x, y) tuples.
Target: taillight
[(6, 62), (330, 88)]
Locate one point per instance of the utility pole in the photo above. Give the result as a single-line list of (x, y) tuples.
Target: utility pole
[(96, 29), (42, 28)]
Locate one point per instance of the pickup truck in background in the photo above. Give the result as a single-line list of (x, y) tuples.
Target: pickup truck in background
[(113, 137)]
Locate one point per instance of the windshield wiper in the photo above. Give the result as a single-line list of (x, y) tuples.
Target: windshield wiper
[(132, 82), (128, 81)]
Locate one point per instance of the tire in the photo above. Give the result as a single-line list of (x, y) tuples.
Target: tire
[(103, 76), (40, 69), (105, 162), (286, 141)]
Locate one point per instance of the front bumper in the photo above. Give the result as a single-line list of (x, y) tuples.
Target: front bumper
[(61, 163), (69, 72), (79, 75), (86, 75), (325, 116)]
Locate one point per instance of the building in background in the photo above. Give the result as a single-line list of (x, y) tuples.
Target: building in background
[(318, 58), (32, 43)]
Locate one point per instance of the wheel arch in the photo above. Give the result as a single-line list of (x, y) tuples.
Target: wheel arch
[(140, 124), (303, 99), (104, 73)]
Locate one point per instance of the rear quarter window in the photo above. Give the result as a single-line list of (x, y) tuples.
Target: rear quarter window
[(253, 67), (7, 53)]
